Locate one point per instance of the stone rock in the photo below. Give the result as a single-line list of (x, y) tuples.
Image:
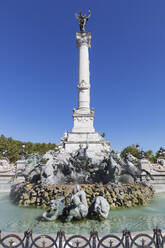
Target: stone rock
[(136, 193)]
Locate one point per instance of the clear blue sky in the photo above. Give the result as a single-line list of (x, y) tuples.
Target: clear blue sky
[(39, 69)]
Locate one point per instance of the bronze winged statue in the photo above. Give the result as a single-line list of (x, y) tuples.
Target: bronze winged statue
[(83, 20)]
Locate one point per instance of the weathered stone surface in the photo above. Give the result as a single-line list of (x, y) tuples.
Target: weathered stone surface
[(4, 165), (126, 195)]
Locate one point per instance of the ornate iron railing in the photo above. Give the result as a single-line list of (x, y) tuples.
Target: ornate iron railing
[(61, 240)]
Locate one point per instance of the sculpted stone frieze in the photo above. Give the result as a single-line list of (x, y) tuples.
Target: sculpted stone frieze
[(83, 119), (83, 85)]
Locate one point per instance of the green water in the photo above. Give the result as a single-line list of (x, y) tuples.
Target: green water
[(18, 219)]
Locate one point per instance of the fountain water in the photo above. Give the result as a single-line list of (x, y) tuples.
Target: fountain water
[(137, 219)]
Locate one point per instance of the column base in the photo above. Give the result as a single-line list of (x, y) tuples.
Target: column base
[(83, 122)]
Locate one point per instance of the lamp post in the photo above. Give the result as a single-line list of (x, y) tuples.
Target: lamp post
[(138, 147), (23, 152), (142, 154), (161, 152), (4, 152)]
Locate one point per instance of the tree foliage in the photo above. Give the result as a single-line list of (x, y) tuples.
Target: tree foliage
[(150, 156), (137, 153), (132, 150), (14, 147)]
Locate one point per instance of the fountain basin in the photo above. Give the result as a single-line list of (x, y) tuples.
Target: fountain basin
[(19, 219)]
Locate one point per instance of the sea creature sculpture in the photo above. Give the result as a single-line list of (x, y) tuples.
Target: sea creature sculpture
[(56, 209), (99, 208), (78, 207), (32, 171)]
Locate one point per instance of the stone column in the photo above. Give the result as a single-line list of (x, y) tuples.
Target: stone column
[(83, 43), (83, 132), (83, 116)]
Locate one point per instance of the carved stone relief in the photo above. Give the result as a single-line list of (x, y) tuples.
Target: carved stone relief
[(83, 85)]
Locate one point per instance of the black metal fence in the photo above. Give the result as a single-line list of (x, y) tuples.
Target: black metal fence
[(61, 240)]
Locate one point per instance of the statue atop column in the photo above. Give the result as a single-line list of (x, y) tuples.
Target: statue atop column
[(83, 20)]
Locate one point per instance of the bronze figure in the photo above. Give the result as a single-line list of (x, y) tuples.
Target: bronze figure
[(83, 20)]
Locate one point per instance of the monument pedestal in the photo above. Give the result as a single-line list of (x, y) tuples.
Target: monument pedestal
[(145, 164), (93, 141), (20, 164), (83, 122)]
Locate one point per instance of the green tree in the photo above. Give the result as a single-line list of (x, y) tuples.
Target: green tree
[(158, 154), (3, 144), (132, 150), (150, 156), (136, 153), (14, 147)]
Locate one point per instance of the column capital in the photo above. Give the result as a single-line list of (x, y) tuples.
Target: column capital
[(83, 39)]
